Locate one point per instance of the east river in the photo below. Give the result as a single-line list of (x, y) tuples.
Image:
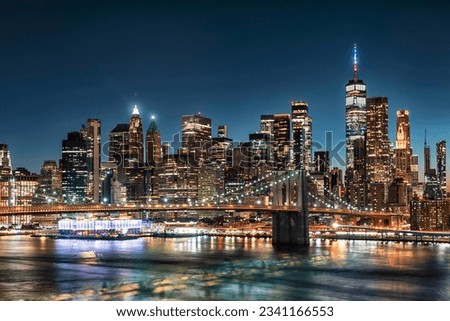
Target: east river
[(220, 268)]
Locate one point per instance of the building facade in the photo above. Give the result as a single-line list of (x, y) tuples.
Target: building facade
[(301, 135), (430, 215), (196, 136), (282, 140), (378, 153), (355, 112), (92, 135), (74, 169), (441, 166)]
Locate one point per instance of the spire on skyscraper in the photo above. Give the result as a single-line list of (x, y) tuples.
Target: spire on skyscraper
[(135, 110), (355, 62), (152, 128)]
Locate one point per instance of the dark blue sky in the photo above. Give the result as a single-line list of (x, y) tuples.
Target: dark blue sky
[(62, 62)]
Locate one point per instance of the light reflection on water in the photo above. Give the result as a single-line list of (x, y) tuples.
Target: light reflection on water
[(220, 268)]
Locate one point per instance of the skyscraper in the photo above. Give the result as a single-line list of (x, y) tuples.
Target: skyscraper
[(222, 148), (441, 164), (5, 161), (301, 135), (49, 188), (135, 170), (266, 125), (355, 111), (92, 135), (403, 151), (195, 137), (282, 140), (414, 172), (74, 169), (378, 152), (118, 150), (136, 140), (153, 144), (402, 164), (426, 152), (322, 161), (154, 156)]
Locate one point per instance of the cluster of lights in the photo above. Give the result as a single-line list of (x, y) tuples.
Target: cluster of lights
[(335, 197), (222, 198), (239, 198)]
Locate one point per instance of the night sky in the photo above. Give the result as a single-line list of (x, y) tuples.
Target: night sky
[(62, 62)]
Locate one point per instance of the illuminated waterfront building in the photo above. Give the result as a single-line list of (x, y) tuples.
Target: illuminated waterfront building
[(430, 215), (301, 135), (74, 169), (441, 166)]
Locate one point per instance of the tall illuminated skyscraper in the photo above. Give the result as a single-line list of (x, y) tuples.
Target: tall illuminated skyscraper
[(378, 152), (266, 125), (136, 142), (403, 151), (153, 144), (400, 191), (282, 140), (426, 152), (441, 166), (355, 112), (5, 161), (92, 135), (196, 135), (118, 149), (154, 156), (74, 169), (301, 135), (355, 131)]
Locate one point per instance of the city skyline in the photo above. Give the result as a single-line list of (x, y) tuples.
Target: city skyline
[(231, 79)]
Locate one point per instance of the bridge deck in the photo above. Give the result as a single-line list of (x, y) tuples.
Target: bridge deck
[(58, 209)]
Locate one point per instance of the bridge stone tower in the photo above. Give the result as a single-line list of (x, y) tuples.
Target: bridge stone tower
[(290, 189)]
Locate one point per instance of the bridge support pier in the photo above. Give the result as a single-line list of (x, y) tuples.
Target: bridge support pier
[(291, 227)]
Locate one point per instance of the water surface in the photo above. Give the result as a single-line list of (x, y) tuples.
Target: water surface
[(220, 268)]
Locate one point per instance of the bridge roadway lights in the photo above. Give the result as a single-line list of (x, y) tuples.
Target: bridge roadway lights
[(290, 227)]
